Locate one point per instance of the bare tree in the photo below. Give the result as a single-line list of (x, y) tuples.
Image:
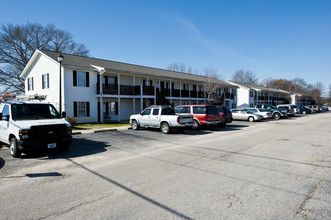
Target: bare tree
[(242, 76), (182, 68), (18, 43), (211, 83)]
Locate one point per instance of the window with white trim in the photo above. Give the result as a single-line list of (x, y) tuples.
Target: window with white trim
[(81, 109), (81, 78), (45, 81), (30, 83)]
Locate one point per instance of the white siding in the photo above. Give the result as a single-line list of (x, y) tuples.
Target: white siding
[(43, 65)]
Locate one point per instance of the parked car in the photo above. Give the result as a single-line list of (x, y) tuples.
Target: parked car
[(226, 115), (203, 115), (245, 115), (277, 113), (289, 108), (264, 112), (33, 126), (304, 110), (311, 107), (162, 117)]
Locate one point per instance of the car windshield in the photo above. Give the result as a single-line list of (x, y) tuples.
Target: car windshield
[(33, 111), (271, 106)]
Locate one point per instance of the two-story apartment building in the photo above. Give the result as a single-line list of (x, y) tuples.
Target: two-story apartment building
[(96, 90), (301, 99), (249, 95)]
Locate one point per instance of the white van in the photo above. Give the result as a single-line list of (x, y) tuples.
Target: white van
[(32, 126)]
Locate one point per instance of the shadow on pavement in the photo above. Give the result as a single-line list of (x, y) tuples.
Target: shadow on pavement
[(79, 147)]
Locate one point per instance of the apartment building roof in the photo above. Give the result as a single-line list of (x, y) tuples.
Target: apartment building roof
[(260, 88), (118, 67)]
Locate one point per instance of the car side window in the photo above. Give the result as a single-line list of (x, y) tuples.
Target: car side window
[(146, 112), (185, 110), (156, 111), (234, 111)]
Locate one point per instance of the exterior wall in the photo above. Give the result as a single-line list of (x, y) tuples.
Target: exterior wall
[(80, 94), (243, 99), (44, 65)]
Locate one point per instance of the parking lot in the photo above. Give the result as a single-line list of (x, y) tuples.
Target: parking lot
[(262, 170)]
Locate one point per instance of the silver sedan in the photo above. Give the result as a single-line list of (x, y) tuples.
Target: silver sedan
[(264, 112), (245, 115)]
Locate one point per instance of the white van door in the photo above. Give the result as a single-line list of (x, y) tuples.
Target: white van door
[(4, 124)]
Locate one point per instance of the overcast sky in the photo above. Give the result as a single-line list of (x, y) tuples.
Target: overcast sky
[(272, 38)]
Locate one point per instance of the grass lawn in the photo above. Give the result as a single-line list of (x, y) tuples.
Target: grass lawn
[(91, 126)]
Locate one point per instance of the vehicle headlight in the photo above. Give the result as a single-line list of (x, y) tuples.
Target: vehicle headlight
[(69, 130), (24, 134)]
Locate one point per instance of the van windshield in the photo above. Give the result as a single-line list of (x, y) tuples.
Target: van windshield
[(33, 112)]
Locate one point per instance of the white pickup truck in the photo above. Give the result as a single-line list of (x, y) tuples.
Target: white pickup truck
[(32, 126), (161, 117)]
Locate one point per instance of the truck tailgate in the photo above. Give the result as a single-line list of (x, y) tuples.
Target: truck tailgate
[(183, 119)]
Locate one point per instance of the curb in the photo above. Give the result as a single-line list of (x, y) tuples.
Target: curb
[(97, 131)]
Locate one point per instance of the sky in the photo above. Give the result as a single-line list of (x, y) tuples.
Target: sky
[(278, 39)]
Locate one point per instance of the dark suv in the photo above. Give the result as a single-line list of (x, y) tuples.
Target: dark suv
[(226, 115), (202, 114)]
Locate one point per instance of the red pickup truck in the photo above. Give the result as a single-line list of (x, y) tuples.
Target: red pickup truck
[(203, 115)]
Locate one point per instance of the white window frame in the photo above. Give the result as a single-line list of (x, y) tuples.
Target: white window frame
[(30, 84), (81, 109), (45, 81), (81, 79)]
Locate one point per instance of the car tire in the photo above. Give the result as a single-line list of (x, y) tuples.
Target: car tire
[(134, 125), (196, 125), (13, 148), (251, 119), (165, 128), (276, 116)]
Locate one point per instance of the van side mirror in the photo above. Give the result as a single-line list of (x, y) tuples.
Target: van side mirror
[(63, 115), (4, 118)]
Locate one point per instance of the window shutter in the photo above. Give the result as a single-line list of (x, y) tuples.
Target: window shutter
[(75, 77), (47, 80), (144, 83), (87, 79), (75, 109), (32, 84), (116, 83), (87, 109), (42, 81)]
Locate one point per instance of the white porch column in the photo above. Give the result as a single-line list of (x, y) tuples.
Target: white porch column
[(134, 99), (119, 109), (180, 92), (154, 95), (141, 98), (170, 86), (101, 97)]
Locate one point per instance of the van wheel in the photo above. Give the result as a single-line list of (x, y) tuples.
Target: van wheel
[(14, 151), (165, 128), (134, 125), (251, 119), (276, 116), (196, 125)]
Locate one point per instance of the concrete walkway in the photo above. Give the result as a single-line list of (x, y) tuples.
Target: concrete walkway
[(95, 130)]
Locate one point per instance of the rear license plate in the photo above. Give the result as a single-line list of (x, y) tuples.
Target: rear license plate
[(53, 145)]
